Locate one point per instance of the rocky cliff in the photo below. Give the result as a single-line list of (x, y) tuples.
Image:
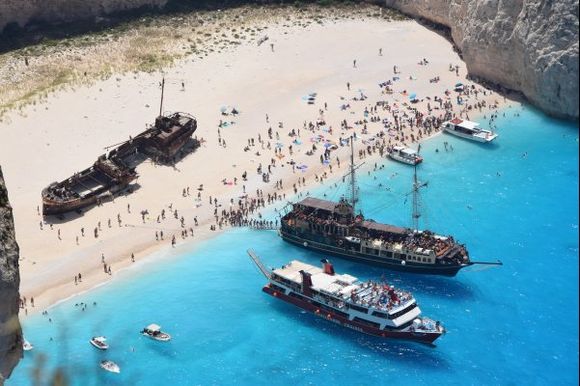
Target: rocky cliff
[(525, 45), (23, 12), (10, 332)]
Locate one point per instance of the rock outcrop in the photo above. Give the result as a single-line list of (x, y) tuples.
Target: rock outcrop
[(10, 332), (23, 12), (524, 45)]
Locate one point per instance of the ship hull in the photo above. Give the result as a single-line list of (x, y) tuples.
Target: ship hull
[(394, 265), (471, 137), (421, 337), (406, 161), (54, 208)]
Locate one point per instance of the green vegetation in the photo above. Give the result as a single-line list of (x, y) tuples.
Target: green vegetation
[(150, 42)]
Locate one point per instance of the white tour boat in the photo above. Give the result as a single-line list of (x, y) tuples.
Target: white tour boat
[(99, 342), (110, 366), (405, 155), (468, 130), (372, 307), (153, 331)]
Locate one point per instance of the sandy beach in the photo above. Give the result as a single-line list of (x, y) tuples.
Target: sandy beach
[(339, 60)]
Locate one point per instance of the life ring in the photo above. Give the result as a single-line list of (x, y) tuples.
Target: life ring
[(403, 262), (358, 218), (340, 243), (305, 244)]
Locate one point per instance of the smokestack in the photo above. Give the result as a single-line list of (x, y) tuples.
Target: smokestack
[(306, 283), (327, 266)]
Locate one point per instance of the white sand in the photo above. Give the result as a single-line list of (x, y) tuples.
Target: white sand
[(49, 142)]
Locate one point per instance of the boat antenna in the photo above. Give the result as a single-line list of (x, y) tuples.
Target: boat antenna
[(352, 176), (416, 199), (161, 104)]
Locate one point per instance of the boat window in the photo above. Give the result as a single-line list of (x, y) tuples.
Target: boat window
[(402, 312), (380, 314), (277, 288), (357, 308)]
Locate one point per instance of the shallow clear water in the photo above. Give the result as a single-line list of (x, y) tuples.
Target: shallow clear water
[(515, 324)]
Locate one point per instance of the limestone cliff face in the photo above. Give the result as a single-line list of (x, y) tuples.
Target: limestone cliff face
[(56, 11), (525, 45), (10, 332)]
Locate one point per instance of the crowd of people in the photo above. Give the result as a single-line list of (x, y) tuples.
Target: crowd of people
[(291, 160)]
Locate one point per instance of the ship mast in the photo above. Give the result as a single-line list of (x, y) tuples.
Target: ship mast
[(161, 104), (352, 177), (416, 199)]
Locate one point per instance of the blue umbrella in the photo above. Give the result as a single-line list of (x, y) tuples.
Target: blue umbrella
[(413, 96)]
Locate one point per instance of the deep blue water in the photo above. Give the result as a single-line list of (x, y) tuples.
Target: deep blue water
[(516, 200)]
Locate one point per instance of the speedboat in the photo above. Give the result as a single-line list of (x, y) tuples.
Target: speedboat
[(99, 342), (27, 346), (468, 130), (110, 366), (405, 155), (153, 331)]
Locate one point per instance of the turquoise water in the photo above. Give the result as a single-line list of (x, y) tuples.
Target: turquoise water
[(516, 200)]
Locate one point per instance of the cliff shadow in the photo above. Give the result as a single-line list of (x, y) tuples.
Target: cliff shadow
[(14, 36)]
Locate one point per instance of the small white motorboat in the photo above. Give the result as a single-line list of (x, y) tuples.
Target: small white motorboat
[(99, 342), (468, 130), (110, 366), (405, 155), (153, 331), (27, 346)]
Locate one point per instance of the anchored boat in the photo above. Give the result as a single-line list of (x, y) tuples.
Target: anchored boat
[(405, 155), (99, 342), (335, 228), (375, 308), (468, 130), (27, 346), (153, 331), (110, 366)]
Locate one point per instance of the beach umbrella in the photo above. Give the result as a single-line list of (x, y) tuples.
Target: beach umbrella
[(413, 96), (459, 84)]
